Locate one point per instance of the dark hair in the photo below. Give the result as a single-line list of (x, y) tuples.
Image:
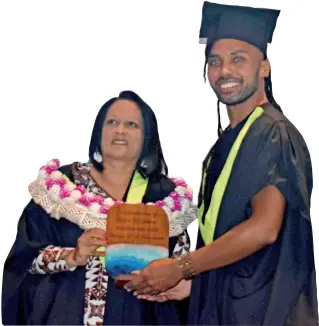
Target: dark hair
[(268, 88), (151, 160), (269, 94)]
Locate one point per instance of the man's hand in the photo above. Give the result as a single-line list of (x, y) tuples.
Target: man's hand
[(159, 276), (181, 291)]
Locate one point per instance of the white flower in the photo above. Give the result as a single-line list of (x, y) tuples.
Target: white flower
[(69, 186), (167, 210), (175, 215), (95, 207), (109, 201), (54, 192), (55, 189), (69, 199), (150, 203), (185, 203), (42, 183), (89, 194), (52, 163), (180, 190), (169, 202), (190, 190), (42, 174), (56, 175), (76, 194)]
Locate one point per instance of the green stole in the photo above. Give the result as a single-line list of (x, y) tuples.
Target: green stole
[(135, 196), (207, 229)]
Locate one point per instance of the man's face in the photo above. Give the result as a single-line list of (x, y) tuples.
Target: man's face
[(235, 69)]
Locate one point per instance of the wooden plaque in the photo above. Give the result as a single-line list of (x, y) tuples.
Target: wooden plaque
[(137, 224), (136, 235)]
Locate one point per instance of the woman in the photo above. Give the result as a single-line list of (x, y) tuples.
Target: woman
[(53, 274)]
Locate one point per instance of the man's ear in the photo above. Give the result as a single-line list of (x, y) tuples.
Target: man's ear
[(264, 70)]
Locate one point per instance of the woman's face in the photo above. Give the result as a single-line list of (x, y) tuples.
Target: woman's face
[(122, 135)]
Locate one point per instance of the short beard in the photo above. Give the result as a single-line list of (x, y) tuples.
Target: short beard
[(241, 99), (242, 96)]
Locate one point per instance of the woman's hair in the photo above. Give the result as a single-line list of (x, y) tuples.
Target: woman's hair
[(151, 160)]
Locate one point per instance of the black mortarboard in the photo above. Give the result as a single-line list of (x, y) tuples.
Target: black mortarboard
[(252, 25)]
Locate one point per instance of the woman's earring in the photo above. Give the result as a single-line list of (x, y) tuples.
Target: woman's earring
[(98, 157), (148, 165)]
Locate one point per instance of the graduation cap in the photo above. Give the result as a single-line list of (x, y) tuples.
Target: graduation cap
[(252, 25)]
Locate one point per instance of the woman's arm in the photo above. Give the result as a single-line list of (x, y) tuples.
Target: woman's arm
[(51, 260), (56, 259)]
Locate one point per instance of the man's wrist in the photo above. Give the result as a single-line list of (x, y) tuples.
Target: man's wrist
[(186, 267)]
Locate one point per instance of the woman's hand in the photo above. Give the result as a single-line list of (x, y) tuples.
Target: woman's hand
[(181, 291), (86, 246), (159, 276)]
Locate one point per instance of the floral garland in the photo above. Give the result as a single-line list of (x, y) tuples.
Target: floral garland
[(61, 189)]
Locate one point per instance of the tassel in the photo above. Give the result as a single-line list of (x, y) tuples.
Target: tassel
[(220, 129)]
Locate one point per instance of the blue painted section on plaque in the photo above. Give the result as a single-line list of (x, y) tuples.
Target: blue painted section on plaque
[(126, 258)]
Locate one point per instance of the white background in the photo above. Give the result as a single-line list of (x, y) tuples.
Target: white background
[(62, 60)]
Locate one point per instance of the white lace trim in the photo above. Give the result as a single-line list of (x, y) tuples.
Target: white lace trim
[(86, 219)]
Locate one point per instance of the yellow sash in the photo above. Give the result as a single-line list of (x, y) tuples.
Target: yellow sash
[(135, 195), (208, 228)]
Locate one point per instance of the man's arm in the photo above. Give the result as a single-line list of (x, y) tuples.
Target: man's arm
[(260, 230)]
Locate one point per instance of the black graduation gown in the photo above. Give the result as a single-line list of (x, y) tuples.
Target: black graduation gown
[(58, 299), (277, 284)]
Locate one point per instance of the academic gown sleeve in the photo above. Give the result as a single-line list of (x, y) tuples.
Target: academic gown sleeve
[(285, 271), (21, 291), (293, 299)]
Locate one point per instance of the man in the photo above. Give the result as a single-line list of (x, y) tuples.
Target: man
[(254, 260)]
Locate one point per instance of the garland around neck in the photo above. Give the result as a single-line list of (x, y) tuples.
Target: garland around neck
[(60, 197)]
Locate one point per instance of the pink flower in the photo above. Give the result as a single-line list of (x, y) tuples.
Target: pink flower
[(188, 195), (49, 183), (98, 199), (57, 162), (49, 169), (118, 202), (177, 205), (181, 183), (81, 189), (104, 209), (61, 182), (64, 193), (160, 203), (84, 200), (174, 195)]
